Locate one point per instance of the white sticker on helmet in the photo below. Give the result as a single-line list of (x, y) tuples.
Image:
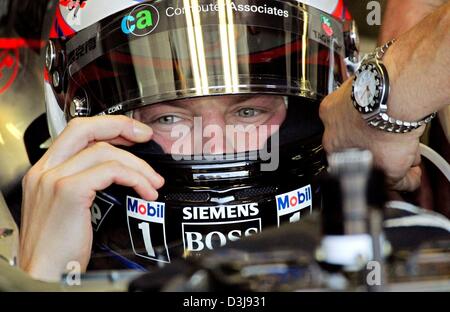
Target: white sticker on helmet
[(80, 14), (214, 227), (146, 226), (206, 236), (290, 205)]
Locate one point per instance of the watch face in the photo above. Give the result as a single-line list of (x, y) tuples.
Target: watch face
[(367, 89)]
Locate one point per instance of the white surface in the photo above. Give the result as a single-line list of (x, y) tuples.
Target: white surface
[(348, 250), (436, 159)]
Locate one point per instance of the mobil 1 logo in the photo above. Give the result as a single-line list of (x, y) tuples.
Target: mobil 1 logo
[(146, 225), (291, 206)]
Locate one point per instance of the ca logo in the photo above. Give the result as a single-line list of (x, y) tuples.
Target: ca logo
[(141, 21)]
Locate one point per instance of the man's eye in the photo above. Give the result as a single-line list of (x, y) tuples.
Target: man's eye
[(248, 112), (168, 120)]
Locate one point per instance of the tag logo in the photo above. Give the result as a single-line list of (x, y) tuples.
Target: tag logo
[(290, 204), (141, 21), (326, 25), (146, 226)]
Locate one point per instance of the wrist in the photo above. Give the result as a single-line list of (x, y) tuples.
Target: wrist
[(396, 107), (371, 95), (43, 270), (403, 102)]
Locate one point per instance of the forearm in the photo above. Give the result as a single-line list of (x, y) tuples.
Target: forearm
[(418, 65), (401, 15)]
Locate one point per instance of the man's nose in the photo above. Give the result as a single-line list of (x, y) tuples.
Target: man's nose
[(215, 140)]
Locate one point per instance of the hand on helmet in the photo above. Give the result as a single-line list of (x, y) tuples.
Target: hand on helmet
[(60, 189), (397, 154)]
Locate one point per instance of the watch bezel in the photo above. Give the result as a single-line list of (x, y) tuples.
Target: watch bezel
[(382, 77)]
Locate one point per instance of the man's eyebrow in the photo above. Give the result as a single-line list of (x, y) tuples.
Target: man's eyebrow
[(178, 104), (242, 98), (264, 100)]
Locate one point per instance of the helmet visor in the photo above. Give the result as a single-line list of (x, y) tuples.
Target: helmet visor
[(170, 50)]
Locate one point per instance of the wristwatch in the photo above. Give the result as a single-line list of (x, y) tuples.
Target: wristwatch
[(370, 93)]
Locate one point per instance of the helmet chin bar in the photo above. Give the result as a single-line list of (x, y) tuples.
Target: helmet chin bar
[(55, 116)]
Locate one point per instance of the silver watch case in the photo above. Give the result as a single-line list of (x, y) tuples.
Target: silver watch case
[(380, 106)]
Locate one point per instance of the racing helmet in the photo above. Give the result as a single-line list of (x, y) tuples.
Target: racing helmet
[(258, 68)]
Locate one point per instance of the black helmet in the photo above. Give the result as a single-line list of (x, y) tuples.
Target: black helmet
[(272, 59)]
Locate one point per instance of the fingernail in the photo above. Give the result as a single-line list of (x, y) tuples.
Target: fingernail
[(161, 182), (151, 195), (141, 130)]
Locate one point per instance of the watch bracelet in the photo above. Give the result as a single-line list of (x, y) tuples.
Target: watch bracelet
[(381, 51), (389, 124)]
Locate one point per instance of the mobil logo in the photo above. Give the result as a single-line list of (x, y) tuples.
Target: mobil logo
[(141, 21), (144, 210), (147, 229), (294, 201)]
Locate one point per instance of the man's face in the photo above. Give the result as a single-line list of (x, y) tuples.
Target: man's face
[(224, 124)]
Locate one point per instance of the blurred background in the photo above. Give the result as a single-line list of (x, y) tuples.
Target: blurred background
[(22, 29)]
